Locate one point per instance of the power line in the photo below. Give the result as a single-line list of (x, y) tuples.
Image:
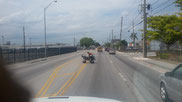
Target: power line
[(136, 17), (155, 2), (161, 5), (138, 23), (129, 28), (163, 8)]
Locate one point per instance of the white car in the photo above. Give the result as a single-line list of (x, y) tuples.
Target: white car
[(73, 99)]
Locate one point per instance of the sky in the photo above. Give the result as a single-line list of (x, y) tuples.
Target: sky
[(67, 19)]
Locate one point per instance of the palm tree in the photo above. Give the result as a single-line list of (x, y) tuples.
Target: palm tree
[(133, 36)]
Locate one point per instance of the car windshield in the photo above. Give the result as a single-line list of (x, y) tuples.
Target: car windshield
[(124, 50)]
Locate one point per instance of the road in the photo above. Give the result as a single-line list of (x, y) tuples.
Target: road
[(112, 76)]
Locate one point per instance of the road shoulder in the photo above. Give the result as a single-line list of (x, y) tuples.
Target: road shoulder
[(156, 65)]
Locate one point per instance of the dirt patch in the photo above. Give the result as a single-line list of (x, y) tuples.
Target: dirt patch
[(164, 60)]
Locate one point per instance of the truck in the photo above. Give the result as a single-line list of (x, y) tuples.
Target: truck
[(99, 49)]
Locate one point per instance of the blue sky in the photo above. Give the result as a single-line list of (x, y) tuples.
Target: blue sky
[(69, 18)]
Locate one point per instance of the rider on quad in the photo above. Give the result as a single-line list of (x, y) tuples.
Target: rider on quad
[(89, 54)]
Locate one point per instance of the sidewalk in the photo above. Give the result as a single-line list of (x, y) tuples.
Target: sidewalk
[(158, 65)]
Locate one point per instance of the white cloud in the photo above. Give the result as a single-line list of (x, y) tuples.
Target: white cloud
[(66, 18)]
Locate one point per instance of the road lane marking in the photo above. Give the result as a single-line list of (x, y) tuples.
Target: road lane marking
[(56, 94), (122, 77), (63, 89), (65, 74), (50, 78), (46, 89), (38, 94), (77, 74)]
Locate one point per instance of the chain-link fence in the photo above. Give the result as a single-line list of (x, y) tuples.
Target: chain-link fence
[(21, 55)]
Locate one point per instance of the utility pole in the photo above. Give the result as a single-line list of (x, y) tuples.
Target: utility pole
[(112, 38), (145, 30), (112, 35), (30, 42), (121, 30), (2, 40), (24, 41), (109, 37), (133, 24)]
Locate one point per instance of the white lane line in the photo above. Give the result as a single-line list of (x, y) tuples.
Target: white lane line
[(111, 61), (122, 77)]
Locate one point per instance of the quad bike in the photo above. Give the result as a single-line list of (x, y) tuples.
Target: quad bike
[(87, 58)]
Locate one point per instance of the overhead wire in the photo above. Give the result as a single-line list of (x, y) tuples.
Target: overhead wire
[(155, 2), (161, 5), (163, 8), (130, 27)]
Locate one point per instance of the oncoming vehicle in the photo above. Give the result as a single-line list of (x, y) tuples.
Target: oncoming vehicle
[(171, 85), (99, 49)]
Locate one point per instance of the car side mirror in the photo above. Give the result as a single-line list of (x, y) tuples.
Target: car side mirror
[(168, 74)]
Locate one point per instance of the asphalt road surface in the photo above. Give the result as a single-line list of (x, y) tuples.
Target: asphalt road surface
[(111, 76)]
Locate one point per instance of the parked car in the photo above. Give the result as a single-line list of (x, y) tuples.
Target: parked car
[(171, 85), (112, 51)]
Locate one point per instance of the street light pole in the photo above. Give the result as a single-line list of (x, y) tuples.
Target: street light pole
[(45, 31), (45, 43), (24, 47), (121, 28)]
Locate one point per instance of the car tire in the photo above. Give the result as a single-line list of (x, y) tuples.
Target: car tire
[(163, 93)]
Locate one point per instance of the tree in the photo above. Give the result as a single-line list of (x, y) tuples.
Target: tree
[(120, 44), (96, 44), (123, 43), (166, 29), (179, 4), (87, 42), (133, 36)]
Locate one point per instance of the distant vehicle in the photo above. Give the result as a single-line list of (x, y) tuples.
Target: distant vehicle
[(112, 51), (99, 49), (93, 48), (107, 49), (171, 85)]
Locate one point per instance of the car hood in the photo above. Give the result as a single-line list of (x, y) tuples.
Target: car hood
[(73, 99)]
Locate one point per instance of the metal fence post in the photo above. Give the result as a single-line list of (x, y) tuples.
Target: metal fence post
[(14, 59), (8, 56), (28, 55), (1, 53)]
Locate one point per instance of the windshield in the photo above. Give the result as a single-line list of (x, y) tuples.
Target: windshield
[(112, 49)]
